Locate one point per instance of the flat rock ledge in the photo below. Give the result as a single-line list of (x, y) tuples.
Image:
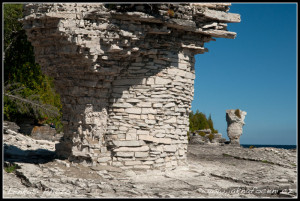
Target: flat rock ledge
[(213, 172)]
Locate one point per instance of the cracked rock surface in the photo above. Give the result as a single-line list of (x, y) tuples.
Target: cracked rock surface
[(212, 171)]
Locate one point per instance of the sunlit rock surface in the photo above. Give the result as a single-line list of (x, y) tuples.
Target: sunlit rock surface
[(235, 122), (125, 75)]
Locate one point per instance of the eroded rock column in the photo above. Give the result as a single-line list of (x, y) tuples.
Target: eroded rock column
[(125, 75), (235, 122)]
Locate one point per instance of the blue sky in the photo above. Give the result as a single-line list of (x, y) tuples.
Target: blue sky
[(255, 72)]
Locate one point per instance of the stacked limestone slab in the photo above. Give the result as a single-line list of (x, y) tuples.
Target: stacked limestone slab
[(125, 75)]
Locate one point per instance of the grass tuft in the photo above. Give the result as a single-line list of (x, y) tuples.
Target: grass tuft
[(10, 168), (226, 155), (265, 161)]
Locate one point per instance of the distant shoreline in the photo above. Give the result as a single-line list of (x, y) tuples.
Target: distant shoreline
[(275, 146)]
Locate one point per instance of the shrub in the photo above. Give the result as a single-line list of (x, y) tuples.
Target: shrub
[(211, 137), (171, 13), (237, 113), (201, 133), (251, 147)]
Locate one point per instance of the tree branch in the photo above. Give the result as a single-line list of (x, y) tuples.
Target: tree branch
[(33, 103), (12, 41)]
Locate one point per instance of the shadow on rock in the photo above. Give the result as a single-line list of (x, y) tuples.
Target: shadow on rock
[(38, 156)]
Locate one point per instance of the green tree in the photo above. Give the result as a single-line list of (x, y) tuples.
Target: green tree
[(211, 124), (28, 92), (198, 121)]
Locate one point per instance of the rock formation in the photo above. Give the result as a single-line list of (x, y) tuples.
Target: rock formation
[(35, 131), (125, 75), (11, 125), (45, 132), (235, 123), (205, 136)]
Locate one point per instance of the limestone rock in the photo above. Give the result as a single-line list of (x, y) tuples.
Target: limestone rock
[(236, 171), (45, 132), (125, 74), (206, 137), (21, 148), (11, 125), (235, 122)]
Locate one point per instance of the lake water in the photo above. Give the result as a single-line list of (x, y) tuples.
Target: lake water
[(275, 146)]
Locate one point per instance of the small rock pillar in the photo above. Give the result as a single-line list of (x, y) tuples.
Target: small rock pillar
[(235, 123)]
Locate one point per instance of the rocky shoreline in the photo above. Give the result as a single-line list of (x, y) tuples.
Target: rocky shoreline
[(212, 172)]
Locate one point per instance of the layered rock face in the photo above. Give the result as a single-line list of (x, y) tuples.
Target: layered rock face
[(235, 122), (125, 75)]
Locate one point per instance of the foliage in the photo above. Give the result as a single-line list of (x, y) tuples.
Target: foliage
[(201, 133), (28, 93), (151, 9), (266, 161), (171, 13), (198, 121), (251, 147), (237, 113), (226, 155), (211, 125), (120, 7), (111, 6), (10, 168), (27, 102), (211, 137)]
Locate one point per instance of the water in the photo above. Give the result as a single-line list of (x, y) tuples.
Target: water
[(275, 146)]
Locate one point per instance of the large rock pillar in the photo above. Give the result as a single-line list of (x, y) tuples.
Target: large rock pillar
[(125, 74)]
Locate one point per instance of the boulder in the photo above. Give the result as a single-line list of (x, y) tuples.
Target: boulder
[(11, 125), (45, 132)]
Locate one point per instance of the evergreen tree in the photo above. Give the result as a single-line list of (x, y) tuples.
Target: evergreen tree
[(198, 121), (211, 124), (28, 92)]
